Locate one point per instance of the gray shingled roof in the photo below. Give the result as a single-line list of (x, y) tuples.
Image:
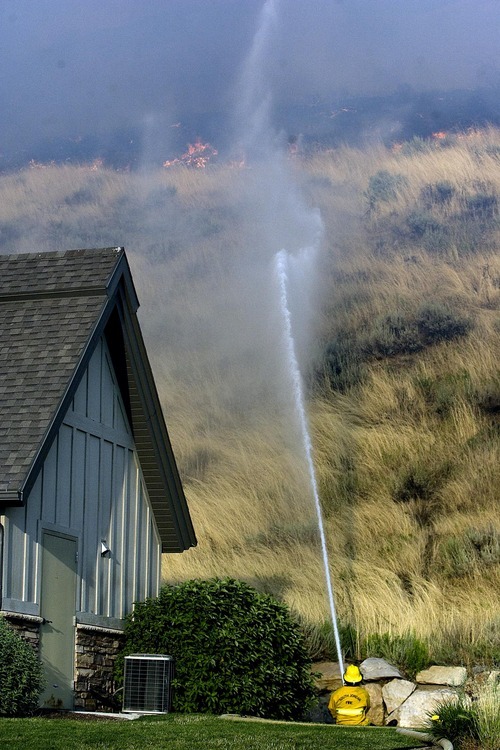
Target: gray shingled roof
[(52, 306), (42, 335), (75, 271), (39, 348)]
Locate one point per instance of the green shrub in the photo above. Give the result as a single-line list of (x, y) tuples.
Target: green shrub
[(396, 333), (420, 223), (383, 186), (486, 544), (407, 333), (419, 486), (481, 205), (80, 197), (437, 194), (21, 675), (475, 549), (454, 720), (393, 334), (343, 363), (438, 323), (407, 652), (487, 396), (235, 650), (442, 392), (424, 228), (455, 557)]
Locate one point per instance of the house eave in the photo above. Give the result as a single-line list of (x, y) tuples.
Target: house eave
[(121, 275), (11, 498)]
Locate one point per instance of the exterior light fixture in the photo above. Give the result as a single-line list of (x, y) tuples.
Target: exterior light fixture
[(105, 551)]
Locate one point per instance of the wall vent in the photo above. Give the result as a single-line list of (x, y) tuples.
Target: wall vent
[(147, 683)]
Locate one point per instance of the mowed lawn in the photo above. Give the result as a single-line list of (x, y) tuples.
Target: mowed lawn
[(190, 732)]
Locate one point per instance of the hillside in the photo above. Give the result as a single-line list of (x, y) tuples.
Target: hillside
[(403, 382)]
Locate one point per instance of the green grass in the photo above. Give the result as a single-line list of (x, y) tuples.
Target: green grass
[(191, 731)]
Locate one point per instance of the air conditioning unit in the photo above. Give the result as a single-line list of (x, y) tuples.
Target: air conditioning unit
[(147, 684)]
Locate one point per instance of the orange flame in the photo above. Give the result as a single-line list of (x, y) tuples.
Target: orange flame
[(197, 155)]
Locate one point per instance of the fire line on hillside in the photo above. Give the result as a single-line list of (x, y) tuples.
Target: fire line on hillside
[(198, 155)]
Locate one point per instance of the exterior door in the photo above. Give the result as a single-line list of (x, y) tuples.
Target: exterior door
[(57, 632)]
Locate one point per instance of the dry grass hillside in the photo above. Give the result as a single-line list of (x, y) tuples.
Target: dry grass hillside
[(403, 389)]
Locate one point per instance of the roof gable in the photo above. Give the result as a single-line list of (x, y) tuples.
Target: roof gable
[(98, 397), (52, 314)]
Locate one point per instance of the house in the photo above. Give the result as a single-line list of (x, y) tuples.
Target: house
[(90, 495)]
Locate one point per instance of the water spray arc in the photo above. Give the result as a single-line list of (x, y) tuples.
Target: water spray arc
[(282, 276)]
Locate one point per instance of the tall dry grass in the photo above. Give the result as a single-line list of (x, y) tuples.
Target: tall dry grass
[(406, 455), (487, 714)]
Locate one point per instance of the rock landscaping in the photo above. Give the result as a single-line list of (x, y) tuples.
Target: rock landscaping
[(396, 701)]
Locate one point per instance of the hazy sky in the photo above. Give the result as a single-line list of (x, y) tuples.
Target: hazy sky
[(74, 67)]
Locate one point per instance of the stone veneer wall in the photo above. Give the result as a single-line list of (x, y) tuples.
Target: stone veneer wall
[(27, 626), (96, 650)]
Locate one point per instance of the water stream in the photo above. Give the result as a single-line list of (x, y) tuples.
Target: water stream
[(282, 274), (284, 221)]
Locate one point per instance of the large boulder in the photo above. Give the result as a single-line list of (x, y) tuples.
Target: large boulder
[(453, 676), (330, 675), (396, 692), (481, 677), (376, 711), (374, 669), (413, 713), (493, 677)]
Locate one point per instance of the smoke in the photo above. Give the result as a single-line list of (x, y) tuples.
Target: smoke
[(276, 218), (218, 314), (231, 316), (72, 70), (174, 71), (253, 106)]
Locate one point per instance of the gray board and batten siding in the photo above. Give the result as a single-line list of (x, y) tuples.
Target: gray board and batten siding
[(90, 487), (84, 450)]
